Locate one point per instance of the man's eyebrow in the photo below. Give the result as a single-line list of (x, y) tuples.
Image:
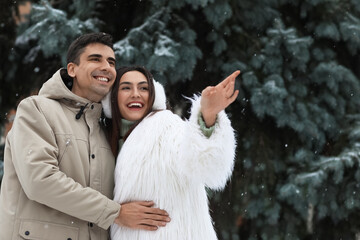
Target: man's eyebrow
[(95, 55), (112, 59), (100, 56)]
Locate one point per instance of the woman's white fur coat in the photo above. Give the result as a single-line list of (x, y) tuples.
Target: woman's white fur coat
[(170, 161)]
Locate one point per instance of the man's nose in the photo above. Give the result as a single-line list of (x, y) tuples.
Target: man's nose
[(106, 65)]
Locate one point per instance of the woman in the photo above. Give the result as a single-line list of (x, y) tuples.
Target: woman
[(168, 160)]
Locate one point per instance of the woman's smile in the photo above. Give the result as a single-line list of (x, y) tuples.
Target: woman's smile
[(133, 95)]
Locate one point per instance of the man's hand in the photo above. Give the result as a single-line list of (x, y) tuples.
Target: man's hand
[(216, 99), (141, 215)]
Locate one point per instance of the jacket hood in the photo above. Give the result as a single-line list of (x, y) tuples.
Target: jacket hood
[(59, 87)]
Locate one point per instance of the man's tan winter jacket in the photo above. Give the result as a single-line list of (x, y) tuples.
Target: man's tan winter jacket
[(58, 178)]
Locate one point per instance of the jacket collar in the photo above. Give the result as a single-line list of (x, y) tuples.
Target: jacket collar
[(58, 87)]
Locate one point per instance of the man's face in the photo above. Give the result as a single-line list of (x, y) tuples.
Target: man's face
[(95, 74)]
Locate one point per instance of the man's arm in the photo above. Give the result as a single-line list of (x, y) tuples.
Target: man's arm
[(34, 155)]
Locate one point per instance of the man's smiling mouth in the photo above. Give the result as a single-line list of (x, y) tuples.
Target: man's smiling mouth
[(102, 79)]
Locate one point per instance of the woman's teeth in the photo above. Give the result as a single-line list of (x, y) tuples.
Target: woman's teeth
[(135, 105)]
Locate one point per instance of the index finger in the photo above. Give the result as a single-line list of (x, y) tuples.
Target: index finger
[(156, 211), (229, 78), (147, 208), (146, 203)]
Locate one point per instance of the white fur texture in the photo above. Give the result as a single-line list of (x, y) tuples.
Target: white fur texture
[(106, 104), (169, 161), (160, 97), (159, 102)]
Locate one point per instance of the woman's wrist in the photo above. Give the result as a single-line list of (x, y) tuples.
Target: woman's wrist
[(209, 118)]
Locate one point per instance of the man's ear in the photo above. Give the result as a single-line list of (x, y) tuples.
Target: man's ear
[(71, 69)]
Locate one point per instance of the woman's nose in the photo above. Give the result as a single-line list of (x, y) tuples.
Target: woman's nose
[(135, 93)]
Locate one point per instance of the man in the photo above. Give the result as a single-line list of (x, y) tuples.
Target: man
[(58, 178)]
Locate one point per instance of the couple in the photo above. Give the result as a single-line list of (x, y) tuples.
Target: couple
[(58, 181)]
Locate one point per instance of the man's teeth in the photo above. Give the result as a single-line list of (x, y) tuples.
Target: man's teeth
[(103, 79), (135, 105)]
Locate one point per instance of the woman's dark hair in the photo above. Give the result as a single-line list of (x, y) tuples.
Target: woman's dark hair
[(115, 127), (77, 47)]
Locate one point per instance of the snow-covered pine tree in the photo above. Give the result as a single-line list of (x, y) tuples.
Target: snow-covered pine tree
[(7, 36), (40, 46)]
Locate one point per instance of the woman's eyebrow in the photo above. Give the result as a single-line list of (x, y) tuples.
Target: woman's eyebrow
[(130, 83), (125, 83)]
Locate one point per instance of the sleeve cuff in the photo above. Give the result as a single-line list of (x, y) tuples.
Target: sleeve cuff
[(111, 211), (207, 131)]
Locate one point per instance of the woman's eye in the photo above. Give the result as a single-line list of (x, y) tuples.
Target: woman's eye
[(125, 88)]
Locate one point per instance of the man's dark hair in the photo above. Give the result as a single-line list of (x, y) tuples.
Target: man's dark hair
[(78, 46)]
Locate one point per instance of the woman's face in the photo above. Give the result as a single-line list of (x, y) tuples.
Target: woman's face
[(133, 95)]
